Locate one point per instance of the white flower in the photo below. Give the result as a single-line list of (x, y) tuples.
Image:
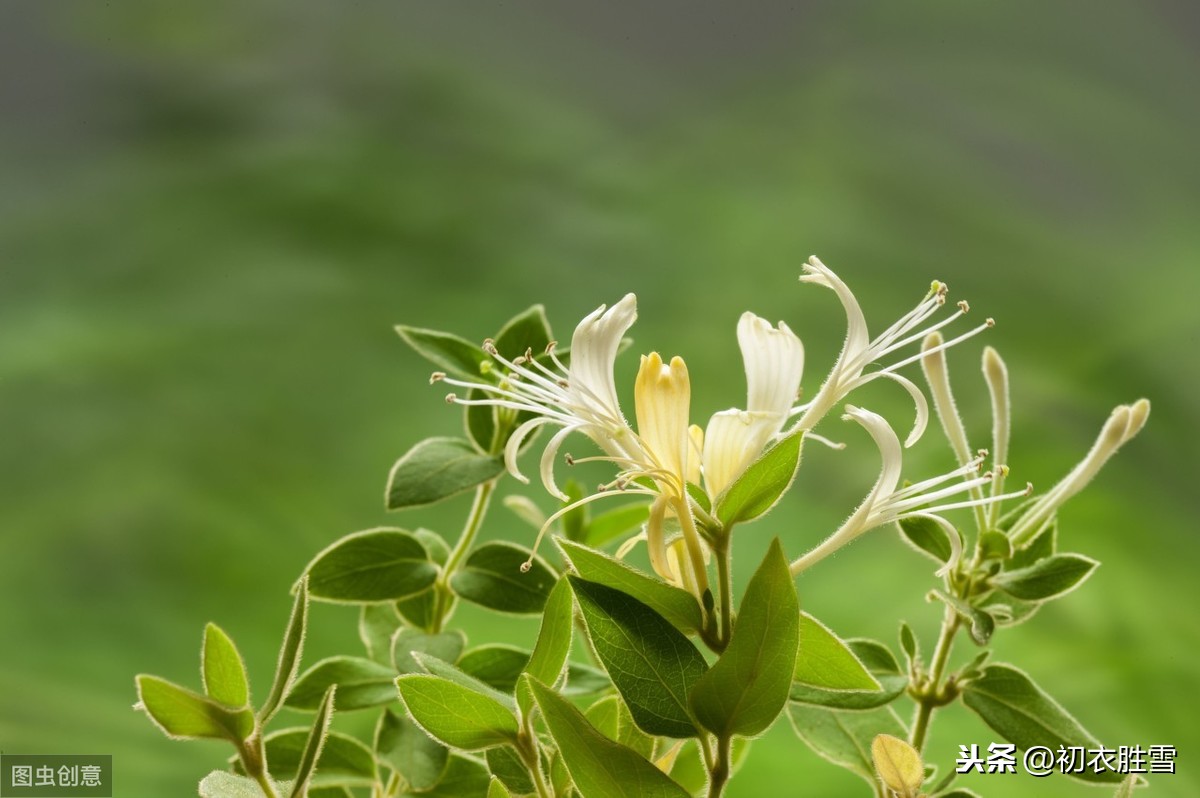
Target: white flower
[(581, 397), (859, 350), (886, 503), (1125, 422), (773, 358)]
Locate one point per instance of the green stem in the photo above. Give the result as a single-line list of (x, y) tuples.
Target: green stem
[(254, 761), (719, 775), (931, 697), (527, 749), (445, 597), (725, 584)]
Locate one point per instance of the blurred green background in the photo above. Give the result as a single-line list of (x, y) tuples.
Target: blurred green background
[(211, 214)]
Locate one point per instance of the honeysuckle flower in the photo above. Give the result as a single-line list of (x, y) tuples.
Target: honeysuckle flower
[(581, 397), (860, 350), (887, 502), (1124, 423), (774, 363)]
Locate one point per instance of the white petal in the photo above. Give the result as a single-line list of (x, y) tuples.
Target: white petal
[(733, 440), (889, 450), (547, 463), (774, 362), (919, 400), (857, 338), (662, 396), (656, 542), (513, 446), (594, 351)]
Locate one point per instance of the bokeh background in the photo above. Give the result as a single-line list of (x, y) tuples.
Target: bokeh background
[(211, 215)]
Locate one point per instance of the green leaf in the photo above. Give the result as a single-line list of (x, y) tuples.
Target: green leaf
[(447, 352), (497, 789), (377, 623), (492, 577), (479, 422), (1126, 788), (995, 545), (1047, 578), (381, 564), (959, 792), (435, 545), (762, 483), (1008, 611), (651, 663), (898, 764), (1013, 706), (289, 654), (574, 521), (445, 670), (456, 715), (584, 680), (527, 331), (496, 665), (615, 523), (844, 738), (361, 684), (825, 660), (506, 765), (599, 767), (184, 715), (744, 691), (436, 469), (927, 536), (223, 672), (1042, 546), (222, 784), (611, 717), (908, 643), (313, 746), (463, 777), (880, 664), (549, 656), (676, 605), (413, 753), (982, 624), (446, 646)]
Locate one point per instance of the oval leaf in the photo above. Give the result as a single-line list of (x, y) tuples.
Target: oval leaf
[(400, 744), (496, 665), (748, 685), (599, 767), (676, 605), (492, 577), (1047, 578), (614, 523), (184, 715), (223, 672), (222, 784), (762, 483), (1008, 701), (382, 564), (927, 536), (825, 660), (650, 662), (361, 683), (436, 469), (455, 715), (844, 738), (898, 764), (879, 662), (446, 351), (446, 646)]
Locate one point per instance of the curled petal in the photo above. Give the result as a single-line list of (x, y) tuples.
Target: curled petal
[(920, 403), (952, 534), (656, 542), (513, 447), (547, 463)]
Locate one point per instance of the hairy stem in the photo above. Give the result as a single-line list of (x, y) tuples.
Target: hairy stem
[(255, 762), (444, 597), (931, 698), (723, 554), (719, 774)]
